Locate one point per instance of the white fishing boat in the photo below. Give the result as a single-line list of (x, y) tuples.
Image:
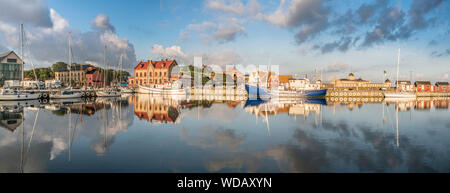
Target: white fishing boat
[(108, 93), (65, 95), (160, 89), (17, 95), (126, 90), (396, 93)]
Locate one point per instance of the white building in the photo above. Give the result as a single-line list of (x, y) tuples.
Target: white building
[(53, 83)]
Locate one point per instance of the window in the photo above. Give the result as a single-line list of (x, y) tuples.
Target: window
[(11, 60)]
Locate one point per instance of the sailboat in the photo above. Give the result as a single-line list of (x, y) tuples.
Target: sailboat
[(123, 90), (397, 94), (107, 92), (7, 94), (67, 94)]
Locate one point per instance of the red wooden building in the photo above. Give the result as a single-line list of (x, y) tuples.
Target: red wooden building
[(423, 86), (442, 87), (93, 77)]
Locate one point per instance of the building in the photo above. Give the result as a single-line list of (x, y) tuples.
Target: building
[(52, 83), (156, 111), (152, 72), (93, 77), (10, 67), (442, 87), (284, 79), (352, 83), (78, 75), (423, 86), (302, 83), (404, 85)]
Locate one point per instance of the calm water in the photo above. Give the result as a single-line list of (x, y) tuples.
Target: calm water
[(154, 134)]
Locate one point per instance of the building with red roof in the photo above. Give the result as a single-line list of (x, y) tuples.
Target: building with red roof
[(152, 72)]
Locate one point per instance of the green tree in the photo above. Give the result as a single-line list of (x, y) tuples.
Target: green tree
[(58, 65)]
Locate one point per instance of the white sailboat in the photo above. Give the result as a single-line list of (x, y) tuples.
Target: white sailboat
[(397, 94), (107, 92), (67, 94), (123, 90), (7, 94)]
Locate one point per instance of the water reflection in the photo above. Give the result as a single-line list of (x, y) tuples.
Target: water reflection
[(143, 133)]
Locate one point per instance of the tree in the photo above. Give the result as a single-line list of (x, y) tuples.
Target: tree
[(58, 65)]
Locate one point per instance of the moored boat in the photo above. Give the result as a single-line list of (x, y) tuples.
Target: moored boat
[(16, 95), (257, 93), (126, 90), (160, 90), (65, 95), (108, 93), (400, 95), (396, 93)]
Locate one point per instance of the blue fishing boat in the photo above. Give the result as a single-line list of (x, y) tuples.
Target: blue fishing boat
[(257, 93), (315, 93)]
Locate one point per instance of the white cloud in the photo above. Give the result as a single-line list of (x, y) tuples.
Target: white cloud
[(47, 45), (233, 6), (220, 57), (59, 23), (226, 31), (102, 23), (236, 7), (31, 12), (10, 34)]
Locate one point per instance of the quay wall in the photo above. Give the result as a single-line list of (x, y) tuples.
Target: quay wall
[(354, 93)]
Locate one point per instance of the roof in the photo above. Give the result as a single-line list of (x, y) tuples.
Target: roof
[(163, 64), (284, 78), (91, 71), (441, 83), (3, 55), (422, 82), (74, 68), (404, 81)]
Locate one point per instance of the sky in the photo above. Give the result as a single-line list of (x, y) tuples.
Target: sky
[(330, 37)]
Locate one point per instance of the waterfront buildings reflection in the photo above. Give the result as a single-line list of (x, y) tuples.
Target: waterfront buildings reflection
[(143, 133)]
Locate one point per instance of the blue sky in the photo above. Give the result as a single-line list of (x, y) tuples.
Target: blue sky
[(334, 37)]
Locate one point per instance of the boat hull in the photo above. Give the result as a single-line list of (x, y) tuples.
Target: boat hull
[(149, 90), (257, 93), (108, 94), (68, 96), (400, 95), (19, 97), (314, 93), (302, 94)]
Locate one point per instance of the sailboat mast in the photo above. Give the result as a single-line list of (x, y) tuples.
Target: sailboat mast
[(398, 69), (120, 69), (104, 70), (70, 63), (21, 51)]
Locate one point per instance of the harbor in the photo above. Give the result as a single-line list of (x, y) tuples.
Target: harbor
[(264, 137), (225, 95)]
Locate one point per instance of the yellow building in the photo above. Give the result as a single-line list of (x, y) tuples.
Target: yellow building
[(152, 72), (352, 83), (78, 75), (154, 110)]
